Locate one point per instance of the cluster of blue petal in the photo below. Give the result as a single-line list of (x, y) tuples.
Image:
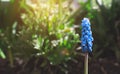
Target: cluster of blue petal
[(86, 37)]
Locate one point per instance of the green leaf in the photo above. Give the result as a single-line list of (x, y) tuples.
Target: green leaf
[(2, 55)]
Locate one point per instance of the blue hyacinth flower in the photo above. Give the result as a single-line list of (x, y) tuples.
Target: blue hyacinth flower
[(86, 37)]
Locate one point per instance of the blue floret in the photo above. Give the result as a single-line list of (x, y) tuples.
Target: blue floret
[(86, 37)]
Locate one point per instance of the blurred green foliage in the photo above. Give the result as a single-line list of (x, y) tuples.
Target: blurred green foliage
[(51, 35), (37, 28), (106, 28)]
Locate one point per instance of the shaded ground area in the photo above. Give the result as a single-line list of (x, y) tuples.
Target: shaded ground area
[(74, 66)]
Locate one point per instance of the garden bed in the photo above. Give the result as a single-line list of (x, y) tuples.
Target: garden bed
[(100, 66)]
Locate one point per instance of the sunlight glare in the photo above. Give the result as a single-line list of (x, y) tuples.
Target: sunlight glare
[(5, 0)]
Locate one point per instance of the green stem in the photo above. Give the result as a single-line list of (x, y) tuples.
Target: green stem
[(10, 57), (60, 8), (86, 63)]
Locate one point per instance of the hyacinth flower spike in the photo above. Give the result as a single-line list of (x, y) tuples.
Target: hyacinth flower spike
[(86, 41)]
